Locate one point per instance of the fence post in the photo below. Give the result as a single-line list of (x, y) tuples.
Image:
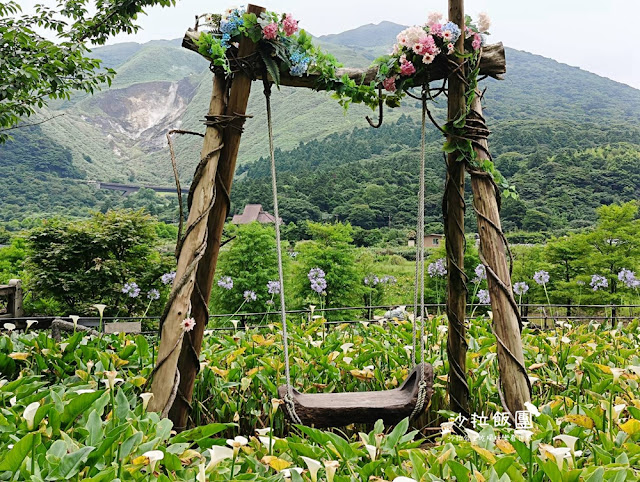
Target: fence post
[(15, 300)]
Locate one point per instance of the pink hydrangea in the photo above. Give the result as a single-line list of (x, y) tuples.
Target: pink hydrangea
[(428, 58), (477, 41), (407, 68), (389, 84), (270, 31), (289, 25), (435, 29)]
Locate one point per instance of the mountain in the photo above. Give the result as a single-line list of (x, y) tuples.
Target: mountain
[(119, 134)]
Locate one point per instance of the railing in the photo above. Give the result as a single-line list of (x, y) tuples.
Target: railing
[(12, 293), (542, 315)]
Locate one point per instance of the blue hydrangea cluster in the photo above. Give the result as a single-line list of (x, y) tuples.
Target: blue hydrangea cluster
[(454, 29), (230, 25), (299, 63)]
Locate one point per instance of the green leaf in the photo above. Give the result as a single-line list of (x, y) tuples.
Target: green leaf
[(392, 439), (79, 404), (13, 459), (459, 471), (70, 464)]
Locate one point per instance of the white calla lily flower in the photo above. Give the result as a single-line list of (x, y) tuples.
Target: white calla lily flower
[(568, 440), (523, 435), (532, 409), (217, 454), (30, 414), (146, 398), (371, 450), (330, 468), (313, 466), (153, 456)]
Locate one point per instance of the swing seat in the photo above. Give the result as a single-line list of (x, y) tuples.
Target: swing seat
[(340, 409)]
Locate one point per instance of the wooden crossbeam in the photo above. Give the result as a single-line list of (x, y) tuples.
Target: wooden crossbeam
[(492, 64)]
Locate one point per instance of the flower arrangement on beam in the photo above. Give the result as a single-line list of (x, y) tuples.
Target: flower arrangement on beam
[(282, 46)]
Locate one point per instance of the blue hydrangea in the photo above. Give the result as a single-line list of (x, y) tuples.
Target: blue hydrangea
[(224, 40), (454, 29), (233, 21), (299, 63)]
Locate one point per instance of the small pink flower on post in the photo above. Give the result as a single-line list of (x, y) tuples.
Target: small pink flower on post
[(389, 84), (188, 324), (450, 48), (270, 31), (420, 49), (290, 25), (407, 68)]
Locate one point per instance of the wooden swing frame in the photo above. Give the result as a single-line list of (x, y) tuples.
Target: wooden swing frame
[(178, 355)]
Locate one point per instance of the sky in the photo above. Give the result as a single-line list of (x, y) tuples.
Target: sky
[(595, 35)]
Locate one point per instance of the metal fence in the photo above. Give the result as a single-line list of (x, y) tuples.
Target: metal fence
[(542, 315)]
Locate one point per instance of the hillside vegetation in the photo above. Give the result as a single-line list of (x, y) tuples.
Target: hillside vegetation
[(567, 138)]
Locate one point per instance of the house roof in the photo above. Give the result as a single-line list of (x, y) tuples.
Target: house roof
[(254, 213)]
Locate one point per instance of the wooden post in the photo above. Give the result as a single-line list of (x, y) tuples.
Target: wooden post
[(15, 301), (188, 362), (166, 377), (514, 379), (453, 213)]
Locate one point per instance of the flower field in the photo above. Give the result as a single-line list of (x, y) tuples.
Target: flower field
[(76, 410)]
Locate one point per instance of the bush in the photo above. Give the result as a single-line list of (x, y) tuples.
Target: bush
[(76, 264)]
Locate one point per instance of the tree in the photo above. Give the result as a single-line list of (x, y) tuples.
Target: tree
[(331, 250), (35, 69), (78, 264), (251, 262)]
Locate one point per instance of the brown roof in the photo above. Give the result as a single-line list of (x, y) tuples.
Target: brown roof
[(253, 213)]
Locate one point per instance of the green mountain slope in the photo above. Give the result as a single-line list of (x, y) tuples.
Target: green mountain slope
[(541, 107)]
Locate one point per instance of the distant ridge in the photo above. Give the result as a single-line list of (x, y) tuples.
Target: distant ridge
[(367, 36)]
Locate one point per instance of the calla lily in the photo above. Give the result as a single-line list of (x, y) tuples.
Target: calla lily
[(523, 435), (263, 431), (30, 323), (13, 401), (202, 475), (146, 398), (553, 340), (558, 453), (100, 308), (364, 323), (618, 409), (286, 473), (473, 436), (346, 347), (153, 456), (616, 372), (237, 442), (402, 478), (569, 441), (447, 428), (371, 450), (111, 379), (74, 319), (218, 453), (532, 409), (312, 308), (347, 360), (313, 466), (30, 414), (9, 326), (330, 468), (235, 324), (268, 442), (317, 343), (565, 339), (275, 403)]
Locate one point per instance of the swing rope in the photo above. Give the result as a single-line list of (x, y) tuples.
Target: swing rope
[(288, 399), (419, 272)]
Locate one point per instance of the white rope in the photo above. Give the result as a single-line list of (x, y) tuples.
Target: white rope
[(276, 213)]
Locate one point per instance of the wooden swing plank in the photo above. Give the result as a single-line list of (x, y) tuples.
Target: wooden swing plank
[(492, 64), (340, 409)]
